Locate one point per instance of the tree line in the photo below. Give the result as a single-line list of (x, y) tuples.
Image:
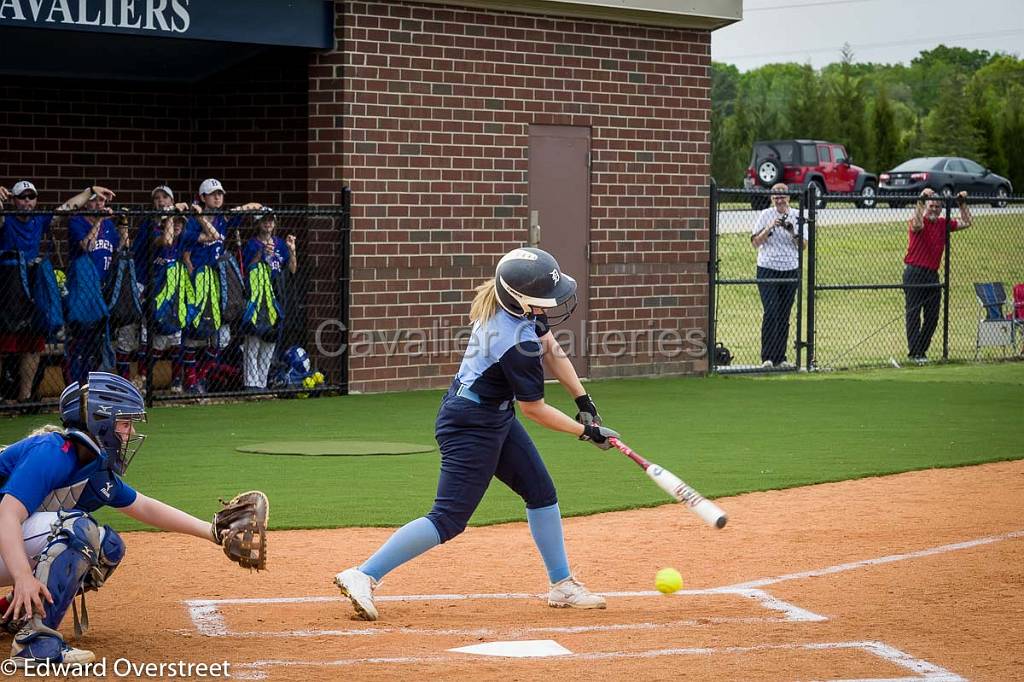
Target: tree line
[(949, 101)]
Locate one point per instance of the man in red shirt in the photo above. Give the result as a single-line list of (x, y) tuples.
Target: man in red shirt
[(922, 290)]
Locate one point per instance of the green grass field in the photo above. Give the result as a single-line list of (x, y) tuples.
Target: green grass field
[(724, 435), (866, 327)]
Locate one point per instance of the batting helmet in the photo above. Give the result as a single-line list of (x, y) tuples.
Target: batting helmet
[(96, 407), (530, 278)]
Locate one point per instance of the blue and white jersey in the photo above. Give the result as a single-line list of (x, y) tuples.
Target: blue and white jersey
[(207, 254), (255, 251), (503, 359), (44, 474), (102, 251)]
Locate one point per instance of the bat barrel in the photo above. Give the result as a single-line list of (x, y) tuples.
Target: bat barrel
[(708, 511), (711, 514)]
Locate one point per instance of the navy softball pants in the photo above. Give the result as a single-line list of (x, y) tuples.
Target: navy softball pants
[(478, 443)]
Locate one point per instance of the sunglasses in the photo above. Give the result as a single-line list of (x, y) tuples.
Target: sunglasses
[(26, 196)]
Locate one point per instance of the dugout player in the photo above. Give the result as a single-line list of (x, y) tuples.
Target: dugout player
[(151, 249), (480, 437), (50, 482), (25, 234), (277, 254), (94, 234), (203, 245)]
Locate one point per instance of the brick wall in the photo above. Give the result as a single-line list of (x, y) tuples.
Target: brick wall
[(424, 111), (246, 126)]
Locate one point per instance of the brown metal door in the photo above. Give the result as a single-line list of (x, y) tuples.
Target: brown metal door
[(559, 176)]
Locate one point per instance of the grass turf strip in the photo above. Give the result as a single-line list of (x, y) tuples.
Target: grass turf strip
[(723, 435)]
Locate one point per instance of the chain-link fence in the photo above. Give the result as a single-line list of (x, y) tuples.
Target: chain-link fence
[(185, 303), (875, 292), (758, 257), (883, 294)]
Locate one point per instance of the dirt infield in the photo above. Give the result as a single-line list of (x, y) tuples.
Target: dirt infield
[(777, 595)]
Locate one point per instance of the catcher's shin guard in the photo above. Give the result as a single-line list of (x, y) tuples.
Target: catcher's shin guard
[(70, 555), (111, 553)]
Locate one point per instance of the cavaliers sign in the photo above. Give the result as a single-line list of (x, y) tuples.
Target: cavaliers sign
[(301, 23), (169, 16)]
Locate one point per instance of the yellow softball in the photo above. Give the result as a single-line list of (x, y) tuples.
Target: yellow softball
[(668, 580)]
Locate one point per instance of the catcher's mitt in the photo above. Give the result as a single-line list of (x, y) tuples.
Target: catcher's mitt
[(241, 528)]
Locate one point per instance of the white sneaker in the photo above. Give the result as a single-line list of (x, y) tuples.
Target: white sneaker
[(571, 593), (767, 364), (21, 654), (785, 364), (358, 587)]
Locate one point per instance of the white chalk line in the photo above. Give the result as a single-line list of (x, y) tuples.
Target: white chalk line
[(209, 619), (497, 632), (923, 669), (891, 558)]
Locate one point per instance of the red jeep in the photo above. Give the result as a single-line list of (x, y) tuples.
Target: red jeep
[(801, 163)]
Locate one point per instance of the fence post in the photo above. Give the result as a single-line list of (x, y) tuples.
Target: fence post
[(812, 218), (798, 344), (345, 283), (148, 324), (712, 270), (945, 283)]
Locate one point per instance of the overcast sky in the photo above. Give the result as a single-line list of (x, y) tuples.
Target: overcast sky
[(882, 31)]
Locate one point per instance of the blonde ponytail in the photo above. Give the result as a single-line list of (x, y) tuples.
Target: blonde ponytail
[(47, 428), (485, 303)]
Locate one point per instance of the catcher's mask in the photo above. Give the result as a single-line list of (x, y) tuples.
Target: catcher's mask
[(530, 278), (106, 408)]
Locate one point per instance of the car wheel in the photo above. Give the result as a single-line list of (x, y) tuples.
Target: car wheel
[(760, 202), (768, 171), (946, 191), (819, 190), (868, 198), (1001, 195)]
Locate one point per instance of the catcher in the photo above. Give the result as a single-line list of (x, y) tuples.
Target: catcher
[(51, 547)]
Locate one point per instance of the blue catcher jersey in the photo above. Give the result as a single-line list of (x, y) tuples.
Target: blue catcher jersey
[(43, 473), (503, 359)]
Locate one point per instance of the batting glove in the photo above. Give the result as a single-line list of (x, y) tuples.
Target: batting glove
[(587, 410), (598, 435)]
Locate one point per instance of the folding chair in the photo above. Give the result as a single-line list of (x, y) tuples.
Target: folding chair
[(995, 328)]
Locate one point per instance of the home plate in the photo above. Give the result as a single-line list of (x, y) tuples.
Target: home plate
[(530, 648)]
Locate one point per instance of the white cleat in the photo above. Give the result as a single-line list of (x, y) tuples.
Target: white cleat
[(358, 587), (571, 593), (69, 654)]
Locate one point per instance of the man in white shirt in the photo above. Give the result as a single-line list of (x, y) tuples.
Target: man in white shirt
[(779, 240)]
